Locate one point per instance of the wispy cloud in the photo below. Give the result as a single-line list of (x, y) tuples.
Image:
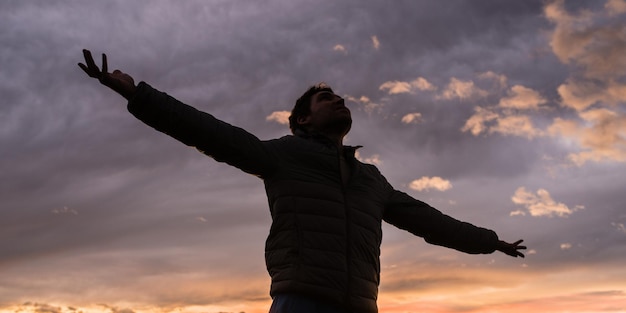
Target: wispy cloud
[(461, 89), (65, 210), (619, 227), (500, 80), (368, 106)]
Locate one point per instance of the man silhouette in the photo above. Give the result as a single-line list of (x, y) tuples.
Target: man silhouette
[(323, 247)]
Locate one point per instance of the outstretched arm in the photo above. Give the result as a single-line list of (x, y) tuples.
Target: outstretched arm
[(419, 218), (220, 140), (120, 82)]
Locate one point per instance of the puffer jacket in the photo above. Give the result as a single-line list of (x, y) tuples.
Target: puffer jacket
[(324, 241)]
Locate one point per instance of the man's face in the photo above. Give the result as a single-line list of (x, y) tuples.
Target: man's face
[(328, 114)]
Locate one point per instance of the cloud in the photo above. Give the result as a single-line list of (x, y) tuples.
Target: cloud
[(505, 118), (412, 118), (375, 42), (340, 48), (422, 84), (65, 210), (601, 135), (40, 308), (486, 120), (516, 125), (117, 310), (369, 106), (397, 87), (45, 308), (427, 183), (517, 213), (280, 117), (619, 227), (374, 159), (522, 98), (461, 89), (580, 94), (594, 43), (476, 124), (501, 80), (565, 246), (540, 204), (615, 7)]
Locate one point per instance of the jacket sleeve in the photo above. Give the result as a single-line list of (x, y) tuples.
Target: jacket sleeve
[(420, 219), (215, 138)]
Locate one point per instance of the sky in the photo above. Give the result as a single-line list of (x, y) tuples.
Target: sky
[(510, 115)]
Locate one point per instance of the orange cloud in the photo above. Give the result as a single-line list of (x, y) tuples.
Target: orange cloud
[(373, 159), (601, 135), (505, 118), (375, 42), (522, 98), (280, 117), (340, 48), (427, 183), (594, 43), (412, 118), (397, 87)]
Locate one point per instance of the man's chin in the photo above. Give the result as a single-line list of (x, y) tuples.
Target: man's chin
[(347, 125)]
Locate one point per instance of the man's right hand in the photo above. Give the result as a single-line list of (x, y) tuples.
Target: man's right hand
[(120, 82)]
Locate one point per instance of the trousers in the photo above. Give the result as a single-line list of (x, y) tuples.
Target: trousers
[(290, 303)]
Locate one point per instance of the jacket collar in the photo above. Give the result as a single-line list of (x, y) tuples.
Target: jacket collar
[(319, 138)]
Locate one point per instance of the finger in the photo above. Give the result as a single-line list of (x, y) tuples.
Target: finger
[(89, 71), (105, 66), (89, 60), (83, 67), (518, 242)]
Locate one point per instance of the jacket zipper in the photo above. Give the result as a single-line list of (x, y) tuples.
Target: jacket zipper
[(344, 184)]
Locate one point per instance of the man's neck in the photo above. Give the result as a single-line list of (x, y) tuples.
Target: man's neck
[(334, 138)]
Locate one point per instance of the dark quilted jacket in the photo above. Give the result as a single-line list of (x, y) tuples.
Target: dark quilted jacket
[(325, 237)]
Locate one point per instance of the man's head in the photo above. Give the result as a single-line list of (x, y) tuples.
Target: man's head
[(320, 109)]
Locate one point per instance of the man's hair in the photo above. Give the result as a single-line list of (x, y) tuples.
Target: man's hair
[(303, 105)]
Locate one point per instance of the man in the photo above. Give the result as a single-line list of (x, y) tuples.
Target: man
[(323, 248)]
